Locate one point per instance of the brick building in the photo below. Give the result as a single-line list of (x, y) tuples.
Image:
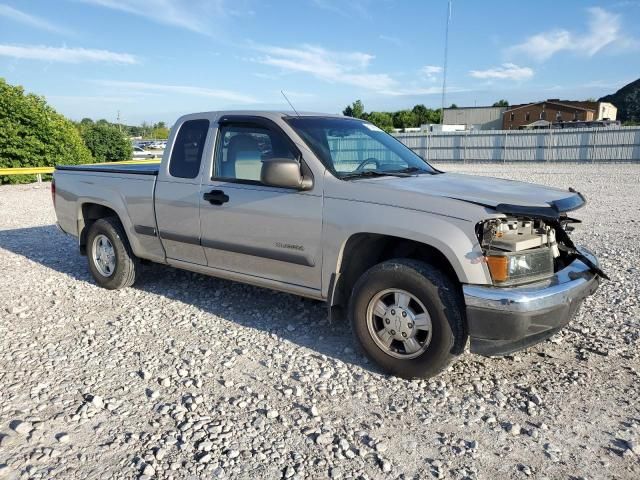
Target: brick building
[(555, 111)]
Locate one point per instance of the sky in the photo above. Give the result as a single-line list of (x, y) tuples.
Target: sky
[(154, 60)]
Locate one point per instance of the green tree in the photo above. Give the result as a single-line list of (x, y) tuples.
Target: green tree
[(32, 134), (501, 103), (107, 143), (160, 131), (133, 130), (146, 129), (355, 110), (425, 115), (421, 113), (404, 119), (453, 105), (381, 120)]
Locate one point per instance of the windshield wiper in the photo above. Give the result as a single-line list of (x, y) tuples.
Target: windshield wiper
[(411, 170), (374, 173)]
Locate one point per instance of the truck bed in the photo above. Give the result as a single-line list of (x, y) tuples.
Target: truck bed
[(137, 169), (127, 189)]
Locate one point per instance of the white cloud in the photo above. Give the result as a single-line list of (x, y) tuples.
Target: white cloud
[(64, 54), (194, 15), (31, 20), (347, 68), (604, 30), (336, 67), (507, 71), (145, 87), (430, 72)]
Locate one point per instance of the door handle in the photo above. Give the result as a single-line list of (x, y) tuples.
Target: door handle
[(216, 197)]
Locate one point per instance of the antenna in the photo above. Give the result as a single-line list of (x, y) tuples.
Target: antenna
[(291, 104)]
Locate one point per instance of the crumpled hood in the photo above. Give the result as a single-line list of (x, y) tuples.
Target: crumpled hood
[(487, 191)]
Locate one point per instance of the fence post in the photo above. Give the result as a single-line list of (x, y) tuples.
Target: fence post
[(593, 139), (38, 177), (428, 145), (504, 147), (466, 137)]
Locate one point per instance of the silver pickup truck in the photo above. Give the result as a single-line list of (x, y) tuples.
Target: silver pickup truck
[(334, 209)]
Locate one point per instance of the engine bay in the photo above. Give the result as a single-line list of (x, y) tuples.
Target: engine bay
[(517, 234)]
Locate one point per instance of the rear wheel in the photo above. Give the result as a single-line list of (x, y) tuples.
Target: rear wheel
[(407, 316), (111, 260)]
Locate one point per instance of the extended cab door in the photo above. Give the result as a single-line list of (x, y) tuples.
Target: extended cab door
[(177, 196), (252, 228)]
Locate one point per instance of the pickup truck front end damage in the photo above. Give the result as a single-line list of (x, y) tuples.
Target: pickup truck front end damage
[(540, 278)]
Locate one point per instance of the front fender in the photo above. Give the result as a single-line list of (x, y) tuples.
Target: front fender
[(454, 237)]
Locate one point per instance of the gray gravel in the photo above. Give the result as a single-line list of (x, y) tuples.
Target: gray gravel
[(188, 376)]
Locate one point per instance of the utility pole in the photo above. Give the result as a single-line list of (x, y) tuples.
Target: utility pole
[(446, 54)]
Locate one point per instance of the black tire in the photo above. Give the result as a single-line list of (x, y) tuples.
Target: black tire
[(127, 264), (440, 296)]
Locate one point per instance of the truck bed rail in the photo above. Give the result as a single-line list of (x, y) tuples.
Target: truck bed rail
[(134, 169)]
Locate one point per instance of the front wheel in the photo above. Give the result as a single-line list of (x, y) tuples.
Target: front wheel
[(407, 317), (111, 260)]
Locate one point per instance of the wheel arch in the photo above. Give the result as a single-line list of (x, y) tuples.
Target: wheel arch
[(362, 251), (88, 213)]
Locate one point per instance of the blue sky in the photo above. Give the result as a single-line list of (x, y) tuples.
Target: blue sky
[(156, 59)]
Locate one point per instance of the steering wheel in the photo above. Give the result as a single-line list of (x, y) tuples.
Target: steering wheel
[(366, 162)]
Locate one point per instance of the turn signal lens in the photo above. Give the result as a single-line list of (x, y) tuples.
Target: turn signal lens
[(499, 268)]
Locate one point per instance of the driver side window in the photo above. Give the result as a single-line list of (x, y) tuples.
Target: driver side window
[(241, 149), (358, 150)]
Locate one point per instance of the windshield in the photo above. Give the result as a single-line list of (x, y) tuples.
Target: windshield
[(351, 147)]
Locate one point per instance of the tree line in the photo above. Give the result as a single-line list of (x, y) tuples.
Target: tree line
[(155, 131), (417, 116), (33, 134), (387, 121)]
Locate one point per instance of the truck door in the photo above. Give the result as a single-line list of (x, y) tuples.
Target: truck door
[(252, 228), (177, 196)]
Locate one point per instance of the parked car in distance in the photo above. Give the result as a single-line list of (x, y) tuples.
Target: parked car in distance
[(139, 152), (335, 209)]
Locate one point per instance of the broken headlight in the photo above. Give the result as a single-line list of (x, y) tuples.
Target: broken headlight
[(512, 268), (518, 250)]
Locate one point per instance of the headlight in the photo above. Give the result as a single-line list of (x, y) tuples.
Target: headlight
[(511, 268)]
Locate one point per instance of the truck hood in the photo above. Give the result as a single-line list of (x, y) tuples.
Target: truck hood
[(505, 196)]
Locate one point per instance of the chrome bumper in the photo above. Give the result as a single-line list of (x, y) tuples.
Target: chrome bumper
[(503, 320)]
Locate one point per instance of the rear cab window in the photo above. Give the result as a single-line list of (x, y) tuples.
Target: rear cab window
[(186, 154)]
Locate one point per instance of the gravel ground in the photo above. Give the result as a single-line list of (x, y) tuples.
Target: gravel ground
[(186, 376)]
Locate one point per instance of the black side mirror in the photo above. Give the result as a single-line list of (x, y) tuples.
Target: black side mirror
[(283, 172)]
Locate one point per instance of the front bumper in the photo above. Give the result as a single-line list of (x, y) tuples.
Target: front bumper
[(502, 320)]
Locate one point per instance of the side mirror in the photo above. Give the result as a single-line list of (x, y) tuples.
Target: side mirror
[(283, 172)]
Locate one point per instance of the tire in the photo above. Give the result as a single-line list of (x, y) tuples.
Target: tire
[(440, 335), (125, 266)]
